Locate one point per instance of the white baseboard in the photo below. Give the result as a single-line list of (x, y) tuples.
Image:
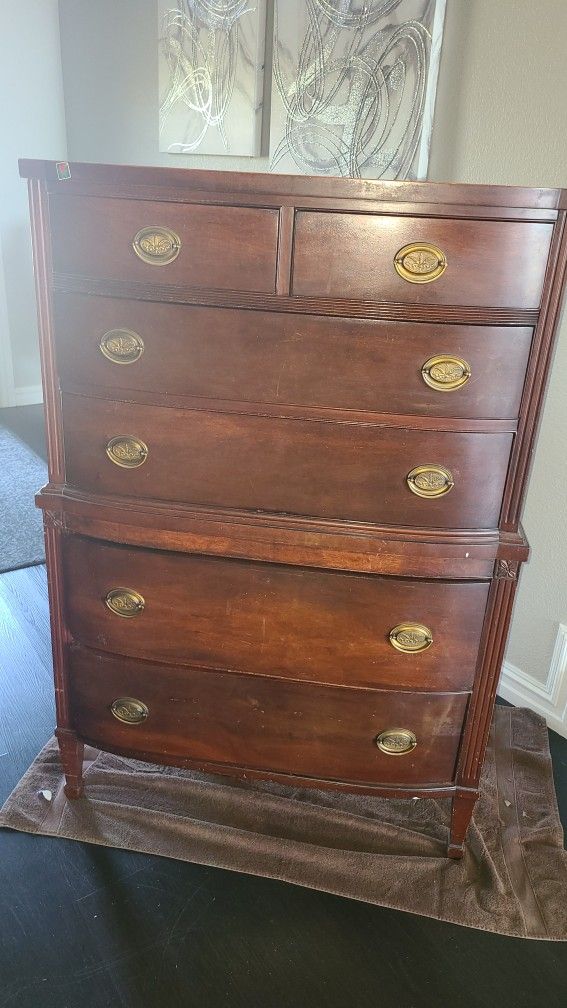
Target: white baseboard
[(548, 699), (28, 395)]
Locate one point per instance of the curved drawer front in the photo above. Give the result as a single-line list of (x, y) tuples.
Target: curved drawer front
[(273, 620), (484, 262), (323, 732), (254, 356), (230, 248), (307, 467)]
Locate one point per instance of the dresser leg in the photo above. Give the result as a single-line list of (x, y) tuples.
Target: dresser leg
[(71, 750), (461, 813)]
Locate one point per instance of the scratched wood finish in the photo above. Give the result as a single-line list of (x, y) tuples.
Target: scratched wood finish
[(295, 359), (274, 620), (225, 247), (322, 732), (286, 539), (291, 189), (302, 467), (280, 396), (488, 262)]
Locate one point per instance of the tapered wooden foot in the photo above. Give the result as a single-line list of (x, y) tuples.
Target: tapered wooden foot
[(461, 813), (71, 750), (455, 851)]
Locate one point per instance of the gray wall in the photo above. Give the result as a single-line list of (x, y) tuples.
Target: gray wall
[(501, 117), (32, 125), (110, 74)]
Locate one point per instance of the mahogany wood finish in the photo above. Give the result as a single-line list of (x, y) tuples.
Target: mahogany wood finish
[(332, 470), (306, 360), (488, 262), (232, 247), (321, 732), (270, 531), (286, 621)]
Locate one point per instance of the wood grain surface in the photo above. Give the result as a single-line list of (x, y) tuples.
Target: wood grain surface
[(306, 467), (319, 731), (274, 620), (488, 262), (258, 356), (225, 247)]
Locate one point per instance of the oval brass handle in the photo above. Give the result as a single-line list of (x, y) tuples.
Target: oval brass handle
[(446, 373), (411, 637), (121, 346), (129, 711), (396, 741), (430, 480), (125, 602), (157, 246), (420, 262), (127, 451)]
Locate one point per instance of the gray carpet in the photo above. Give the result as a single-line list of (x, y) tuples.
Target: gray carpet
[(22, 473)]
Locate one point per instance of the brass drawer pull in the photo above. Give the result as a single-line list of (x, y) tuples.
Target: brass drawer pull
[(157, 246), (411, 637), (446, 373), (125, 602), (121, 346), (420, 262), (129, 711), (126, 451), (396, 741), (430, 480)]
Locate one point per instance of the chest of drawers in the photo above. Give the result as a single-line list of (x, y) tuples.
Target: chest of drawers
[(289, 427)]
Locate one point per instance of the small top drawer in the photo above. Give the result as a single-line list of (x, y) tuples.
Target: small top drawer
[(226, 247), (420, 260)]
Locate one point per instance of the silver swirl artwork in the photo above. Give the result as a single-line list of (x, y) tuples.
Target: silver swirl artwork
[(354, 86), (211, 61)]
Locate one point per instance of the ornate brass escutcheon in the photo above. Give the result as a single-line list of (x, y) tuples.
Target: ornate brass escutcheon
[(157, 246), (396, 741), (446, 373), (420, 262), (126, 451), (430, 480), (411, 637), (125, 602), (121, 346), (129, 711)]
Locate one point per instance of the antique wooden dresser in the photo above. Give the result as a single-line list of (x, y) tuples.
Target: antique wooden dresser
[(289, 425)]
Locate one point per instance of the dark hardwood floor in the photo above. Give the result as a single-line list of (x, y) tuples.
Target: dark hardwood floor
[(90, 927)]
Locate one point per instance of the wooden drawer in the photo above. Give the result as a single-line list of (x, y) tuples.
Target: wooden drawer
[(255, 356), (323, 732), (273, 620), (489, 263), (308, 467), (222, 247)]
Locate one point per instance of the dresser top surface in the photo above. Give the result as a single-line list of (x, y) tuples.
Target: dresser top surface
[(191, 180)]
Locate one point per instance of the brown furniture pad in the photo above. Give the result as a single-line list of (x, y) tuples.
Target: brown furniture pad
[(512, 879)]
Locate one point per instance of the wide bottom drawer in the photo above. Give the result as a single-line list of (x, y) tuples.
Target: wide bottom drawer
[(325, 732)]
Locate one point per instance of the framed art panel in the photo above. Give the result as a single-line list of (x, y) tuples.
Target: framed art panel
[(353, 87)]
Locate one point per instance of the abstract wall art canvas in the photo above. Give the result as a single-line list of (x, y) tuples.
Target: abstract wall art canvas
[(353, 87), (211, 63)]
